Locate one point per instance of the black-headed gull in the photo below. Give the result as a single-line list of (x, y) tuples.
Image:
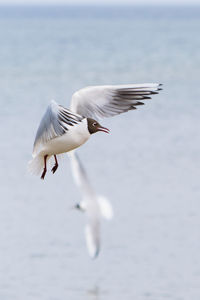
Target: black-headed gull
[(62, 130), (93, 205)]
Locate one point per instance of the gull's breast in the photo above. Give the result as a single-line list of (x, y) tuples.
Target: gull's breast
[(76, 136)]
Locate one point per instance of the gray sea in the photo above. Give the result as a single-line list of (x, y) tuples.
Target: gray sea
[(149, 166)]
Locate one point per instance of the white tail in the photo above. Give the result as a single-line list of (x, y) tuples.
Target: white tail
[(105, 207), (36, 165)]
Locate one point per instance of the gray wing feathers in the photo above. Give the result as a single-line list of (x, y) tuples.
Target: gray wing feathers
[(55, 122), (108, 101)]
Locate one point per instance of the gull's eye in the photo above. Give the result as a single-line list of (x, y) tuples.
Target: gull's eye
[(94, 124)]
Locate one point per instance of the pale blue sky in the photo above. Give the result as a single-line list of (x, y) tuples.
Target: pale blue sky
[(101, 2)]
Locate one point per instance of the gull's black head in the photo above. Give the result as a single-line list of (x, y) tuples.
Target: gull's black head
[(94, 126), (77, 206)]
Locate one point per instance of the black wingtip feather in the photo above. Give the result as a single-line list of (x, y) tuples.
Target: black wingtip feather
[(138, 103), (146, 98)]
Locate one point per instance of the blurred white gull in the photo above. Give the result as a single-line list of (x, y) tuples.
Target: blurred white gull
[(92, 205), (62, 130)]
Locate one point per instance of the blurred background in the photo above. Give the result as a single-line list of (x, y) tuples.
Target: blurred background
[(148, 166)]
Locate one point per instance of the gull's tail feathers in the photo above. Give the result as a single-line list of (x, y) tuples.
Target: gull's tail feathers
[(36, 165), (105, 207)]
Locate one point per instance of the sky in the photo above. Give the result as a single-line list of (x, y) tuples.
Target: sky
[(101, 2)]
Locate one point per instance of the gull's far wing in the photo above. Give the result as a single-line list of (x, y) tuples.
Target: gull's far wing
[(80, 176), (55, 122), (110, 100), (92, 235)]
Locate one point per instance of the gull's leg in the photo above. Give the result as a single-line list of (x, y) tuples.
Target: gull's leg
[(55, 166), (45, 167)]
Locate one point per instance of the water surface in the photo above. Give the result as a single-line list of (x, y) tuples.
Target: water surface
[(148, 167)]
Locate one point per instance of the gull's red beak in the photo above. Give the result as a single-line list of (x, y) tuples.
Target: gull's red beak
[(104, 129)]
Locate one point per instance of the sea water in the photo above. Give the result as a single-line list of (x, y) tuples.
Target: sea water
[(148, 167)]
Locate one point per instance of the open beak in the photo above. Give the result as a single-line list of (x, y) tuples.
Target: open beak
[(104, 129)]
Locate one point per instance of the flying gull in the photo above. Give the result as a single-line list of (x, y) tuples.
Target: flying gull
[(93, 205), (62, 130)]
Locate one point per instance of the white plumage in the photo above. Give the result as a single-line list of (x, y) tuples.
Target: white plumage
[(62, 130), (93, 205)]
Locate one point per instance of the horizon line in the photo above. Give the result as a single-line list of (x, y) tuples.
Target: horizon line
[(102, 4)]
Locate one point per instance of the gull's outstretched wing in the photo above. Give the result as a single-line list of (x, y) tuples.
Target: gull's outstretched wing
[(110, 100), (80, 175), (55, 122), (92, 235)]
